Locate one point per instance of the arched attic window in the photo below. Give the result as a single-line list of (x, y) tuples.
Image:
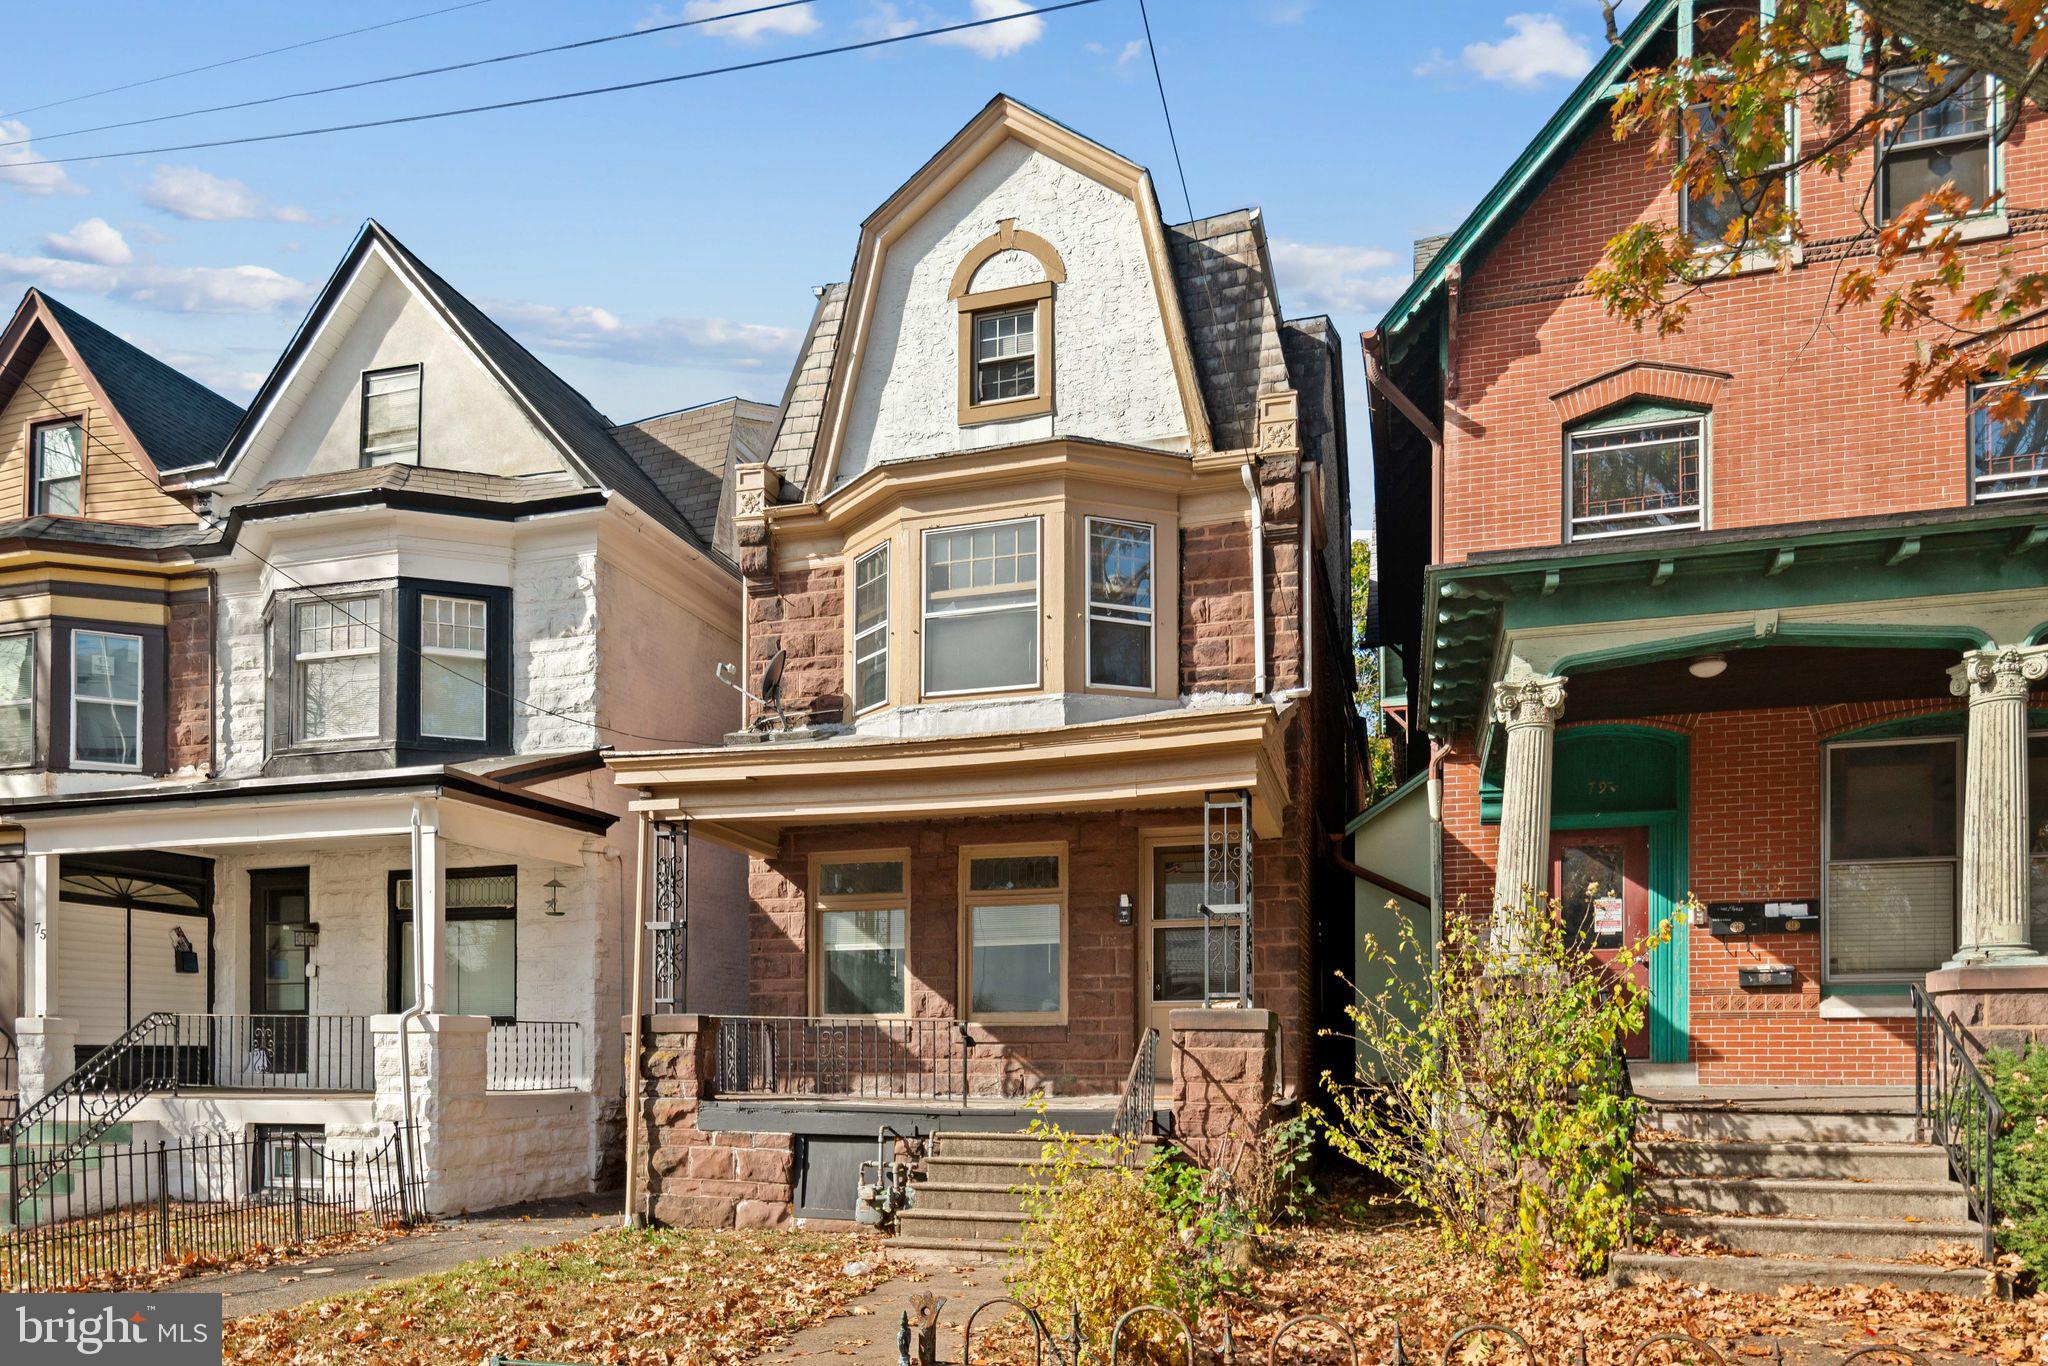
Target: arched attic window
[(1003, 288)]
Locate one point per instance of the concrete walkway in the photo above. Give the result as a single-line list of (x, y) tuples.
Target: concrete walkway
[(864, 1333), (436, 1247)]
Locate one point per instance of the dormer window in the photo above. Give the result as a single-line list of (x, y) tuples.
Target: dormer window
[(391, 416), (58, 488), (1005, 355), (1003, 289)]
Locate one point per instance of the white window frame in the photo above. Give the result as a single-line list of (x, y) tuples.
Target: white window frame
[(1572, 521), (1148, 617), (429, 654), (877, 635), (28, 703), (369, 459), (1994, 161), (2036, 393), (375, 648), (977, 361), (1791, 182), (970, 899), (39, 482), (139, 704), (925, 613), (822, 905), (1827, 823)]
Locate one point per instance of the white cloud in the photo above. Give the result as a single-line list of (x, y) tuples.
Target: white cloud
[(587, 330), (1537, 49), (1287, 11), (18, 168), (190, 289), (221, 373), (95, 240), (793, 22), (997, 40), (1124, 57), (884, 19), (188, 192), (1338, 279)]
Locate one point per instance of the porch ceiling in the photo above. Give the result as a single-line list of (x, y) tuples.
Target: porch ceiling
[(746, 796), (1771, 676)]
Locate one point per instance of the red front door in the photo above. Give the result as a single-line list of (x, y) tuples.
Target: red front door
[(1601, 878)]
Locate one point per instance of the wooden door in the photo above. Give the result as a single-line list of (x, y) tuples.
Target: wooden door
[(1601, 878), (279, 903), (1172, 947)]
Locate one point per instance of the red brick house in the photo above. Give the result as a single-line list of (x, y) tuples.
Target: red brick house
[(1720, 613), (1047, 617)]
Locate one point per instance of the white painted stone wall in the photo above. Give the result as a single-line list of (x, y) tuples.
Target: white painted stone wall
[(1113, 378)]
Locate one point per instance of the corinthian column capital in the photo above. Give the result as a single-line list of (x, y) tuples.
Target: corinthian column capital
[(2003, 671), (1529, 702)]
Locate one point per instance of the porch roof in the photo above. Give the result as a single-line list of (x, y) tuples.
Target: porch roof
[(746, 795)]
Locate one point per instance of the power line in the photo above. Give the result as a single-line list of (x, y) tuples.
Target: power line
[(341, 604), (233, 61), (414, 75), (1164, 108), (566, 94)]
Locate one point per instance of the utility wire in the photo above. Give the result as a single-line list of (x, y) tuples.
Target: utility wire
[(413, 75), (532, 100), (341, 604), (233, 61), (1171, 140)]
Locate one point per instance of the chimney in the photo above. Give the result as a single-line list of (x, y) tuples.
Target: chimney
[(1426, 249)]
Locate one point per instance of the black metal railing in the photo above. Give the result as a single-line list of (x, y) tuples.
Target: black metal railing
[(10, 1082), (274, 1052), (534, 1055), (1137, 1107), (826, 1057), (51, 1133), (139, 1206), (1957, 1105)]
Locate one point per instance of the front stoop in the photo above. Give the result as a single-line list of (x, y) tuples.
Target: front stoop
[(1801, 1191), (968, 1203)]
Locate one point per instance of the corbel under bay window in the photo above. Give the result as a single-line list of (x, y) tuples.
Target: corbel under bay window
[(1005, 353)]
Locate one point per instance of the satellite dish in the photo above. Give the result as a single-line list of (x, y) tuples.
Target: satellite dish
[(771, 679), (770, 696)]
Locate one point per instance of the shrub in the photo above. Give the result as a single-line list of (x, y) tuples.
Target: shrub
[(2019, 1156), (1496, 1098)]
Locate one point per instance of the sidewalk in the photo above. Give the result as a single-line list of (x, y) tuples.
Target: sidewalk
[(865, 1333)]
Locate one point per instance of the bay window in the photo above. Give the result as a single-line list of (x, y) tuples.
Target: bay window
[(1640, 470), (1119, 604), (106, 700), (337, 664), (981, 630), (1893, 831), (871, 629), (1014, 900), (1949, 142), (480, 962), (59, 475), (454, 667), (17, 699), (859, 908)]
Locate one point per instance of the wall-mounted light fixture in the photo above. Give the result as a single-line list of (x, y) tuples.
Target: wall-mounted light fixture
[(1123, 908), (306, 936), (553, 887)]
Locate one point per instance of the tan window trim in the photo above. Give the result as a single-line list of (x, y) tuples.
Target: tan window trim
[(970, 898), (972, 413), (818, 905)]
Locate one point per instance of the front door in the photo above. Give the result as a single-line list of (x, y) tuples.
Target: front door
[(1601, 879), (279, 905), (1172, 948)]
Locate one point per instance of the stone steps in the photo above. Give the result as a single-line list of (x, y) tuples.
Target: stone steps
[(1866, 1239), (1730, 1122), (993, 1230), (1806, 1198), (1831, 1161), (1764, 1275), (969, 1199)]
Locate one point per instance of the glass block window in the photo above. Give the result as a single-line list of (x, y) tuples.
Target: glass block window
[(60, 470), (1119, 605), (1947, 143), (871, 629), (1636, 478), (106, 700), (17, 700), (391, 416), (336, 667), (454, 667), (1006, 354), (981, 608), (2008, 460)]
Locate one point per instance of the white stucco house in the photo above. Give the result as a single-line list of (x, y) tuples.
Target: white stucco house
[(394, 883)]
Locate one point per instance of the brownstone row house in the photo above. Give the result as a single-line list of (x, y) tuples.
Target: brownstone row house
[(1722, 615), (1047, 624)]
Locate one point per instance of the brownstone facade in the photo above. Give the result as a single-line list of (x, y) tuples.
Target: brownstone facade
[(188, 720), (694, 1176)]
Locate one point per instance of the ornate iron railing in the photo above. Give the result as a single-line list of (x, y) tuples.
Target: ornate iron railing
[(1956, 1105), (82, 1108), (534, 1055), (839, 1057), (10, 1099), (1137, 1107)]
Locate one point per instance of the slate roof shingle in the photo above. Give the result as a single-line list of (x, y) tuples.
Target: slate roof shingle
[(493, 488), (692, 454), (179, 421)]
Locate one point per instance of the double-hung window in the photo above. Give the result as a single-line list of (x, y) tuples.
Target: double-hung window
[(480, 962), (1015, 904), (1892, 866), (1949, 142), (1119, 604), (454, 667), (337, 667), (861, 905), (1711, 221), (391, 416), (871, 629), (2008, 460), (1006, 354), (1642, 471), (59, 475), (981, 608), (106, 700), (17, 699)]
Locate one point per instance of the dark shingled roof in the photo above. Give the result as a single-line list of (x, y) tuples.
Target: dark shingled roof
[(490, 488), (692, 454), (803, 402), (117, 535), (179, 421)]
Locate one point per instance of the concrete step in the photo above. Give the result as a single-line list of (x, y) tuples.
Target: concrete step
[(1841, 1161), (933, 1197), (62, 1132), (1932, 1202), (948, 1251), (995, 1228), (1870, 1239), (1728, 1122), (1763, 1275)]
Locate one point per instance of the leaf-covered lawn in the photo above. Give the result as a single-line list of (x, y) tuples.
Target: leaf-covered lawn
[(646, 1297)]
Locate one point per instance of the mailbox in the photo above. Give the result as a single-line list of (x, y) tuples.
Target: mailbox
[(1743, 919), (1791, 917), (1751, 979)]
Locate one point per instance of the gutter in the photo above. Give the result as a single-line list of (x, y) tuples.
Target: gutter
[(406, 500), (1363, 874)]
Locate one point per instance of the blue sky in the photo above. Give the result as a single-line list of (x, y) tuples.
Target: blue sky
[(658, 247)]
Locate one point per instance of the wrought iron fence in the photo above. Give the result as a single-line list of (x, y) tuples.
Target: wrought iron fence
[(133, 1207), (534, 1055), (1137, 1108), (775, 1055), (1957, 1105)]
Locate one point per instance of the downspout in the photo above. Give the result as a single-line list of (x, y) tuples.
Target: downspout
[(1308, 593), (1251, 486), (630, 1218), (213, 707), (419, 1001)]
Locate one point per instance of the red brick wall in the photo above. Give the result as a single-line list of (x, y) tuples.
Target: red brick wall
[(1811, 424), (188, 720)]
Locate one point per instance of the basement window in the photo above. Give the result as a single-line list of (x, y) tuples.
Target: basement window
[(1643, 469)]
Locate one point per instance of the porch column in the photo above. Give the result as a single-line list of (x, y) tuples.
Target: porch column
[(1529, 709), (429, 914), (1995, 899), (39, 934)]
